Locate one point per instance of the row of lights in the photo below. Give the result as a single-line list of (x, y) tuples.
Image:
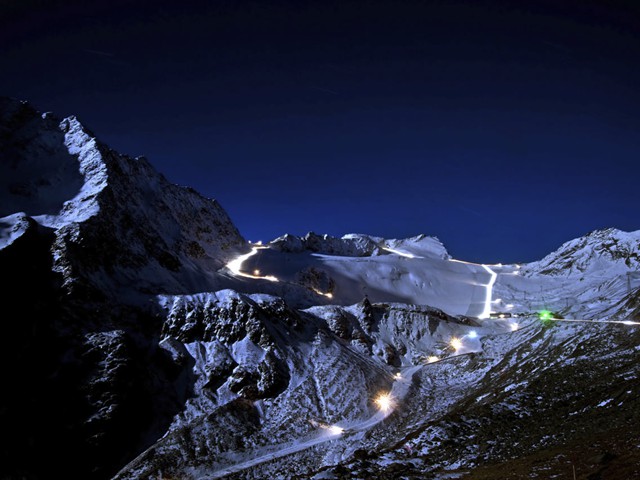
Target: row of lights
[(386, 402), (234, 266)]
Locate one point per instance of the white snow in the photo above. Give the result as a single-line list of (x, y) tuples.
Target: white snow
[(245, 352), (457, 288), (514, 386), (91, 166), (419, 271), (482, 397), (12, 227), (398, 392)]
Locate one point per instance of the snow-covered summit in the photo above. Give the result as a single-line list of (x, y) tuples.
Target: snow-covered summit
[(601, 250), (123, 220), (38, 173), (360, 245), (352, 245)]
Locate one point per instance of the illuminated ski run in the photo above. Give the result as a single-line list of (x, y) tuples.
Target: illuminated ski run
[(400, 253), (486, 310), (620, 322), (235, 266), (486, 313)]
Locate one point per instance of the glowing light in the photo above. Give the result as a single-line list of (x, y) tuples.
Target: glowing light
[(545, 315), (456, 343), (235, 266), (501, 315), (398, 376), (432, 359), (324, 294), (486, 312), (336, 429), (514, 326), (510, 305), (472, 334), (620, 322), (461, 261), (384, 401), (401, 253), (256, 272)]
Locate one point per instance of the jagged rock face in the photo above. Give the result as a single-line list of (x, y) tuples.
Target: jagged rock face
[(395, 334), (243, 340), (38, 174), (357, 245), (87, 238), (118, 223), (350, 246), (629, 307), (316, 279), (300, 367)]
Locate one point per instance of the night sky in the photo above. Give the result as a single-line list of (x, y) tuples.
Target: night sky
[(502, 128)]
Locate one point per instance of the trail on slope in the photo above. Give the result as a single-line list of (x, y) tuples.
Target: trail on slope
[(398, 391), (455, 286)]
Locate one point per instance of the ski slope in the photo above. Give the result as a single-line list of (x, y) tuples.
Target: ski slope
[(398, 276), (419, 272)]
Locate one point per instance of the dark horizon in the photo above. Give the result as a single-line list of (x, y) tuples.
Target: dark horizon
[(502, 130)]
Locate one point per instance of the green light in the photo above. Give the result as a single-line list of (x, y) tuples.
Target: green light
[(545, 315), (547, 318)]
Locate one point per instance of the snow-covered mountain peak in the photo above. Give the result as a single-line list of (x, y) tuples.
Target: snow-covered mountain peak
[(349, 245), (360, 245), (420, 246), (38, 174), (609, 249), (125, 222)]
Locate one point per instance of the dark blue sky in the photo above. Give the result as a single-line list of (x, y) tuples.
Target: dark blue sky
[(503, 128)]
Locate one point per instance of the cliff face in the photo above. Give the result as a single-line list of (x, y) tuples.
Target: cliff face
[(88, 238), (117, 222)]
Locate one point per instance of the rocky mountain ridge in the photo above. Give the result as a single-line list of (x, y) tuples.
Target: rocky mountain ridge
[(136, 351), (115, 214), (601, 249), (357, 245)]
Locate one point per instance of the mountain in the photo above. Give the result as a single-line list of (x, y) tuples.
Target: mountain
[(122, 220), (145, 338), (608, 249), (88, 238), (358, 245)]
